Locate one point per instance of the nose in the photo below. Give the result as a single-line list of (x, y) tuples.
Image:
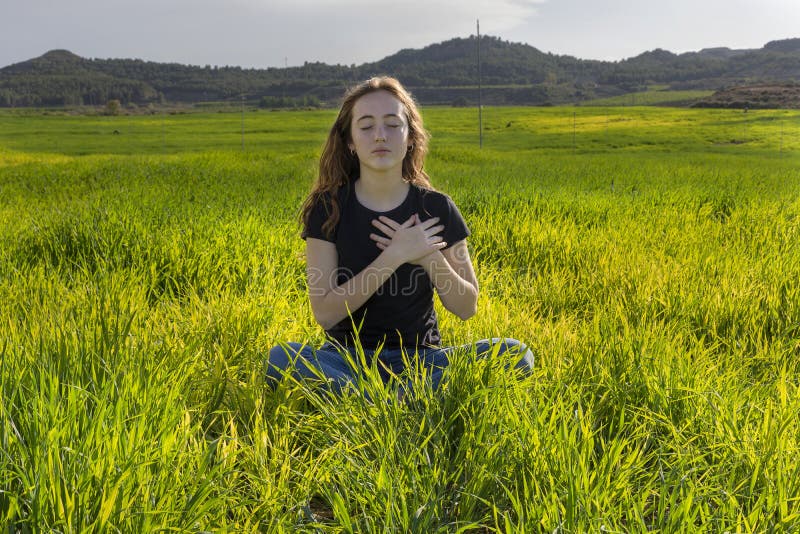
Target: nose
[(380, 133)]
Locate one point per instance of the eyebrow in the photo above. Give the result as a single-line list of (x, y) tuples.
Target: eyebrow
[(388, 115)]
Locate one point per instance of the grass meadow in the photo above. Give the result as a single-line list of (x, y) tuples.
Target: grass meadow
[(649, 257)]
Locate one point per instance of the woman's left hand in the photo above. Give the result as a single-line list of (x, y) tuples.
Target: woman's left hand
[(389, 228)]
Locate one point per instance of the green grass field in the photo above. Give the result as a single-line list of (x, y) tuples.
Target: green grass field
[(654, 96), (649, 257)]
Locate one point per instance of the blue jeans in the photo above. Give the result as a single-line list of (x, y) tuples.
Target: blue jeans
[(337, 365)]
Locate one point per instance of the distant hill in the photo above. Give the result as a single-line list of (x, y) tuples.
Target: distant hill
[(783, 96), (442, 73)]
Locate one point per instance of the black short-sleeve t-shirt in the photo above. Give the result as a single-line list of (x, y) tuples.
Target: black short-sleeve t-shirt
[(400, 313)]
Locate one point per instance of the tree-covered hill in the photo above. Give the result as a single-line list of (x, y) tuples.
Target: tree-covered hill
[(445, 73)]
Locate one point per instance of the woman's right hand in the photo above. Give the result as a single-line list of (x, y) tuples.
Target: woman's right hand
[(410, 241)]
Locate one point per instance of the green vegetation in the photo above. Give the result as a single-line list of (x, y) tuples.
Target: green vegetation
[(650, 258), (441, 73), (651, 97)]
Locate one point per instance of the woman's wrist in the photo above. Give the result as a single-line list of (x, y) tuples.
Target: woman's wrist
[(430, 261), (389, 258)]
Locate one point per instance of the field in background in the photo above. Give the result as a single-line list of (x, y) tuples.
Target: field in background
[(649, 257), (651, 97), (590, 129)]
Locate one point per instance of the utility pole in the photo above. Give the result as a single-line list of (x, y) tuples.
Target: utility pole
[(574, 127), (781, 151), (480, 90), (242, 122)]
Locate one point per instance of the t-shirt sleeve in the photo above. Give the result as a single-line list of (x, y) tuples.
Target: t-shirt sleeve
[(313, 227), (455, 227)]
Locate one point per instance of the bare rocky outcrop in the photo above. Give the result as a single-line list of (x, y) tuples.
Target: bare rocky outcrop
[(766, 96)]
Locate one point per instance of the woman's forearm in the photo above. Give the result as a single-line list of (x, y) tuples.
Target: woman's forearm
[(347, 297), (457, 294)]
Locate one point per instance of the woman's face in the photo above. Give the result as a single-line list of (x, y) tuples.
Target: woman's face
[(379, 132)]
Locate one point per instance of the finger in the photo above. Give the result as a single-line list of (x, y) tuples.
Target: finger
[(390, 223), (435, 230), (382, 227), (410, 222), (381, 246), (429, 222), (380, 239)]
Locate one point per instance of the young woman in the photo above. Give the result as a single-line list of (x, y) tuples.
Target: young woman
[(379, 241)]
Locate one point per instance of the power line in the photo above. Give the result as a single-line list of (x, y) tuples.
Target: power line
[(480, 90)]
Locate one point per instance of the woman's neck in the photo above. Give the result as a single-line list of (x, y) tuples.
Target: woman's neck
[(381, 193)]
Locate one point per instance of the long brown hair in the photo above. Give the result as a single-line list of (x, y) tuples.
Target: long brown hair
[(338, 167)]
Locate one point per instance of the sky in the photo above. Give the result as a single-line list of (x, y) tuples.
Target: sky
[(278, 33)]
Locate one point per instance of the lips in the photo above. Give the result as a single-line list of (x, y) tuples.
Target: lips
[(381, 151)]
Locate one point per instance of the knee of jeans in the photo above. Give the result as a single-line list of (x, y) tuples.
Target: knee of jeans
[(518, 348), (505, 344), (280, 358), (435, 358), (526, 361), (526, 358)]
